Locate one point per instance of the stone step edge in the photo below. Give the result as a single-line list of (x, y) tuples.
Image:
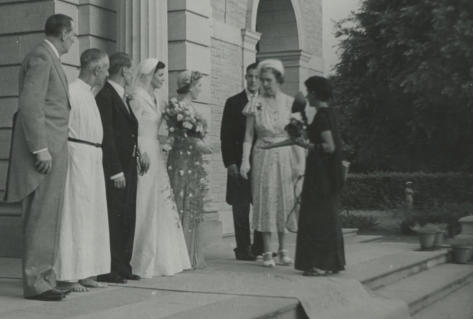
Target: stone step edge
[(435, 296), (441, 257), (419, 303), (347, 233), (456, 305)]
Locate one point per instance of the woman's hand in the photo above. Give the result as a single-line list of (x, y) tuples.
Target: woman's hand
[(244, 169), (202, 147), (301, 142), (144, 163)]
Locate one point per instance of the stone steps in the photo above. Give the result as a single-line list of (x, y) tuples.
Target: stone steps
[(426, 287), (457, 305), (389, 269)]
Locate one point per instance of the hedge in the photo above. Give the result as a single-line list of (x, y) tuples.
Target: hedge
[(386, 190)]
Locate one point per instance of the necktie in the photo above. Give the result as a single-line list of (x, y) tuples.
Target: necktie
[(127, 104)]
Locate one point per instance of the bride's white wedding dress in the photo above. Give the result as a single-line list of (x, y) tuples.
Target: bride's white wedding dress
[(159, 247)]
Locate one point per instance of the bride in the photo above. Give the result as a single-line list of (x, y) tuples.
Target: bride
[(159, 245)]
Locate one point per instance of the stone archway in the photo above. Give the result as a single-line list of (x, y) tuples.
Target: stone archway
[(280, 24)]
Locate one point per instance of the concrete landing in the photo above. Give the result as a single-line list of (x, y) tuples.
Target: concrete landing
[(225, 289)]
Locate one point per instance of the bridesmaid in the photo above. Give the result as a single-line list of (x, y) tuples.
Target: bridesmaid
[(320, 248), (186, 170)]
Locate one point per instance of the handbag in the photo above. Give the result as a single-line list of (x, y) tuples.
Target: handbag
[(292, 218)]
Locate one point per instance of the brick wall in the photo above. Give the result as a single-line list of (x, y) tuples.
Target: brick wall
[(225, 81), (232, 12)]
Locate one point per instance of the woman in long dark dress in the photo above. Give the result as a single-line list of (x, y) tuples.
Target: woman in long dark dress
[(320, 248)]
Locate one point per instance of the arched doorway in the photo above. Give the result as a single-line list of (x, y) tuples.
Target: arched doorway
[(278, 23)]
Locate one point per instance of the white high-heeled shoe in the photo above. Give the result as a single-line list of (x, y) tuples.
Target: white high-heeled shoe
[(284, 259), (268, 260)]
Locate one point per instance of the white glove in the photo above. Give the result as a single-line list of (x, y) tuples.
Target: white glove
[(245, 160)]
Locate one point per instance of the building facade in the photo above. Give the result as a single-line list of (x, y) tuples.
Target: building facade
[(217, 37)]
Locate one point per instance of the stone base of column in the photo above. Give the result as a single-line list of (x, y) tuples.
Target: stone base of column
[(466, 235), (211, 229)]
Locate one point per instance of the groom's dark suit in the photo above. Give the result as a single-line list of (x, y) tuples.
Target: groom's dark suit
[(232, 136), (119, 155)]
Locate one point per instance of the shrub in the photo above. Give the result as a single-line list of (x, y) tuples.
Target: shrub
[(350, 220), (386, 190), (447, 213)]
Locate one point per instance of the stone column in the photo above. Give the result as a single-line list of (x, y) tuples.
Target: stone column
[(248, 46), (189, 40), (143, 30), (189, 35)]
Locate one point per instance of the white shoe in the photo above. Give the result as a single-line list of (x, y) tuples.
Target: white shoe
[(268, 260), (284, 260)]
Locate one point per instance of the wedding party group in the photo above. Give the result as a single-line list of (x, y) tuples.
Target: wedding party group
[(105, 201)]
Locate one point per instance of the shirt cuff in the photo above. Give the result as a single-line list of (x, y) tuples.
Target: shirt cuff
[(114, 177), (39, 151)]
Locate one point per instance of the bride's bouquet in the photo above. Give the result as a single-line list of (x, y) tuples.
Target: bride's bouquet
[(181, 120), (296, 129)]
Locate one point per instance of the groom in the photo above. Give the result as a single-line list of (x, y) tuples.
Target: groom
[(232, 135), (120, 166)]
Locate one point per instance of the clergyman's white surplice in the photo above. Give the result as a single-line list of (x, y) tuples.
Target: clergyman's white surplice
[(84, 244)]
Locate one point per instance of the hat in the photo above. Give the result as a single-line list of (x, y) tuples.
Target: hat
[(147, 66), (186, 78), (273, 64)]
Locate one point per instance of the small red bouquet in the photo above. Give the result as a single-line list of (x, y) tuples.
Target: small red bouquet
[(296, 127)]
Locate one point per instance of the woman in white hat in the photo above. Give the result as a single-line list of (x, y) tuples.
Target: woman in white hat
[(159, 246), (273, 171)]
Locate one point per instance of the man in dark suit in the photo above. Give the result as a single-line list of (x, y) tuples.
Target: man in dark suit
[(38, 161), (238, 195), (120, 166)]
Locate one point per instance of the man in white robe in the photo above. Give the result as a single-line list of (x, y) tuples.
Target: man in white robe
[(84, 244)]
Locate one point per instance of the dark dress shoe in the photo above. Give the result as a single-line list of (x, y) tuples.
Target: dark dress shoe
[(244, 255), (131, 277), (112, 278), (63, 290), (49, 295)]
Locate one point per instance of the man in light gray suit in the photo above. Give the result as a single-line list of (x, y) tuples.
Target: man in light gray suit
[(38, 160)]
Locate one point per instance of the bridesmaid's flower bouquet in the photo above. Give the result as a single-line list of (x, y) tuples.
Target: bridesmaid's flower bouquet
[(183, 121), (179, 118)]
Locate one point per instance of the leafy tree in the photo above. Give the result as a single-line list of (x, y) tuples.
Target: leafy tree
[(404, 84)]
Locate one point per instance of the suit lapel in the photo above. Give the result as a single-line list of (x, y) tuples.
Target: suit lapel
[(58, 66), (121, 104), (244, 99)]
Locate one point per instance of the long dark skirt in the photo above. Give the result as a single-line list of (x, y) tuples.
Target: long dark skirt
[(320, 237)]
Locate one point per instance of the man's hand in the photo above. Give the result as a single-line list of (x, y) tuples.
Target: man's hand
[(144, 163), (44, 162), (119, 182), (232, 171)]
